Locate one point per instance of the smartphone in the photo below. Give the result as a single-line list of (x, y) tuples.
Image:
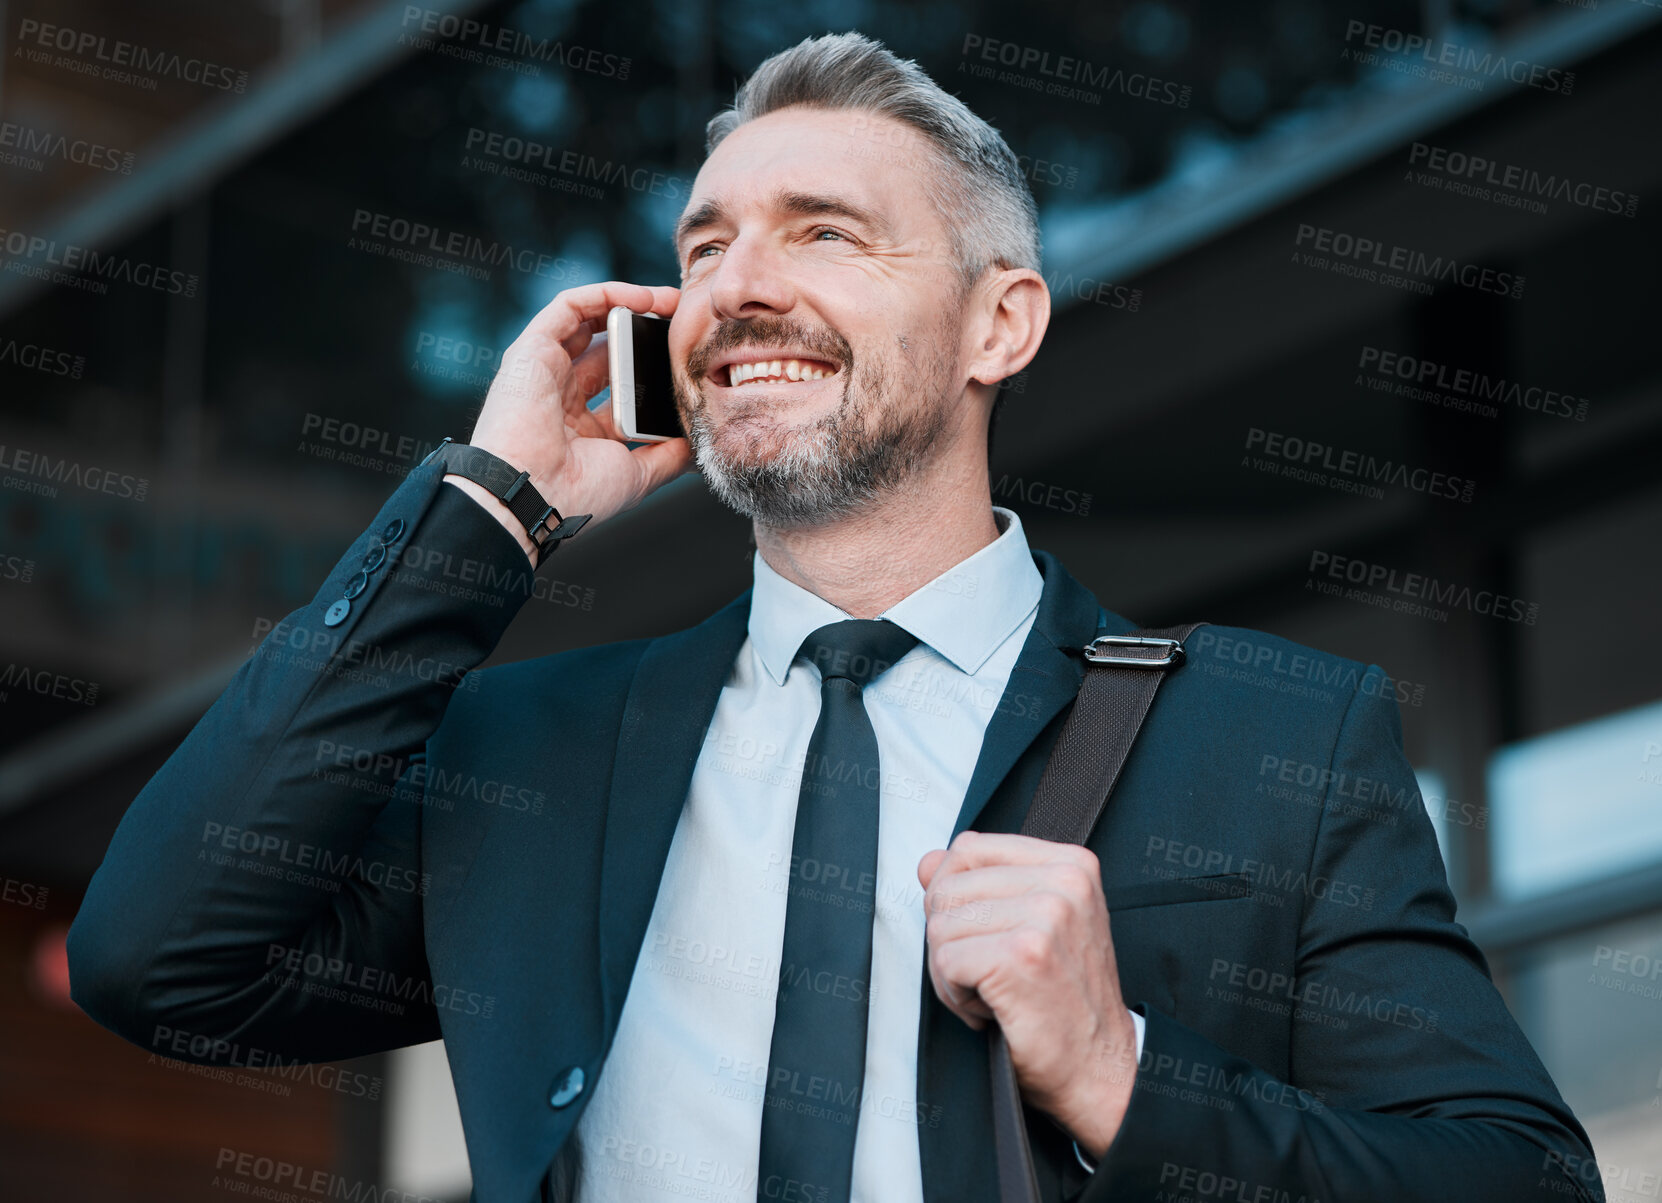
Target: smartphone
[(643, 399)]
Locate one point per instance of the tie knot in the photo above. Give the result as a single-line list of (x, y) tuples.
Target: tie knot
[(857, 649)]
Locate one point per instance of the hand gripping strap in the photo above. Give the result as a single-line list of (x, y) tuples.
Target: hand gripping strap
[(1078, 779)]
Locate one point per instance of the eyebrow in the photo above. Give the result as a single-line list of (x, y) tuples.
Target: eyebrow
[(795, 204)]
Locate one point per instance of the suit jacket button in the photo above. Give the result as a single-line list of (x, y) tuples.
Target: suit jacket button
[(394, 529), (337, 613), (566, 1087), (375, 557), (356, 586)]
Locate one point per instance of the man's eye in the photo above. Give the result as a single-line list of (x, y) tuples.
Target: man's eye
[(698, 251), (829, 230)]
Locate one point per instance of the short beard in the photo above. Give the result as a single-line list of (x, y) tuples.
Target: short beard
[(868, 447)]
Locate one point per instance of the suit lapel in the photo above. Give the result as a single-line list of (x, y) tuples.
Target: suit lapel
[(1044, 680), (671, 701), (956, 1138)]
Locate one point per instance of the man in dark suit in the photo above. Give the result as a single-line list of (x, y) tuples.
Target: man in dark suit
[(724, 913)]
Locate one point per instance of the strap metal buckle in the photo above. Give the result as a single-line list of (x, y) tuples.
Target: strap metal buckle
[(1172, 658)]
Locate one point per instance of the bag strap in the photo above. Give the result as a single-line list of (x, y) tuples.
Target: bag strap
[(1122, 673)]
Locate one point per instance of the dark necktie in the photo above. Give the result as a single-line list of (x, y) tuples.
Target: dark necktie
[(817, 1061)]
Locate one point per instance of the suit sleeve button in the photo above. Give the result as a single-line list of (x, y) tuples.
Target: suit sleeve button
[(337, 613), (355, 586), (376, 557), (566, 1087), (394, 529)]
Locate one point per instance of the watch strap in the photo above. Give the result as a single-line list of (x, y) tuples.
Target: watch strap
[(511, 487)]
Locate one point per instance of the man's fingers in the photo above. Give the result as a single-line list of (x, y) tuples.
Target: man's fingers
[(663, 462), (962, 1001), (589, 373), (1044, 909), (975, 849), (990, 881), (930, 865), (959, 968), (571, 311), (578, 341)]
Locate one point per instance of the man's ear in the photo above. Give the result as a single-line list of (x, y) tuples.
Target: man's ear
[(1011, 311)]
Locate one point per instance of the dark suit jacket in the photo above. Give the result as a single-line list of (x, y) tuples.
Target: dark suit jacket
[(349, 853)]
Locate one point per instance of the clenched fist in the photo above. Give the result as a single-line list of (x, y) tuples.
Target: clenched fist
[(1017, 930)]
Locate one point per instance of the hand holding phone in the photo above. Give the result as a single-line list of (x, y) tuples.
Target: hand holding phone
[(537, 416)]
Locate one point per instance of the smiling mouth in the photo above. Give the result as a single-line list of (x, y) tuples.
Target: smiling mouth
[(774, 371)]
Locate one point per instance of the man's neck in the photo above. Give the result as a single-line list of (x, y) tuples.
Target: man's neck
[(866, 562)]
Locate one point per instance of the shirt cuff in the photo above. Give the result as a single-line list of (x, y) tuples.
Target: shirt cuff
[(1138, 1022)]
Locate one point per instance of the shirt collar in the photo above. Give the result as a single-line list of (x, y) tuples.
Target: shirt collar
[(964, 614)]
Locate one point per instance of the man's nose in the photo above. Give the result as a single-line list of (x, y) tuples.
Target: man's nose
[(750, 279)]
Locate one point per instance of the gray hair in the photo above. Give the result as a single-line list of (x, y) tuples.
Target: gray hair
[(979, 192)]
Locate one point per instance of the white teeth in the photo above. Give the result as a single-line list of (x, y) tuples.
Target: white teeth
[(774, 369)]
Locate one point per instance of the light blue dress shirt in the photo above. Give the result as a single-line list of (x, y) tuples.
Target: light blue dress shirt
[(677, 1110)]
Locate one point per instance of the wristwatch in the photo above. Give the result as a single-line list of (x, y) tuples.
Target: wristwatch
[(511, 487)]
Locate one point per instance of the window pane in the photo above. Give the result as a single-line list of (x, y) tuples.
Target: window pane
[(1579, 803)]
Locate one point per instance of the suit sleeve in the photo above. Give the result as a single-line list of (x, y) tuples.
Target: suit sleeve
[(261, 900), (1409, 1080)]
